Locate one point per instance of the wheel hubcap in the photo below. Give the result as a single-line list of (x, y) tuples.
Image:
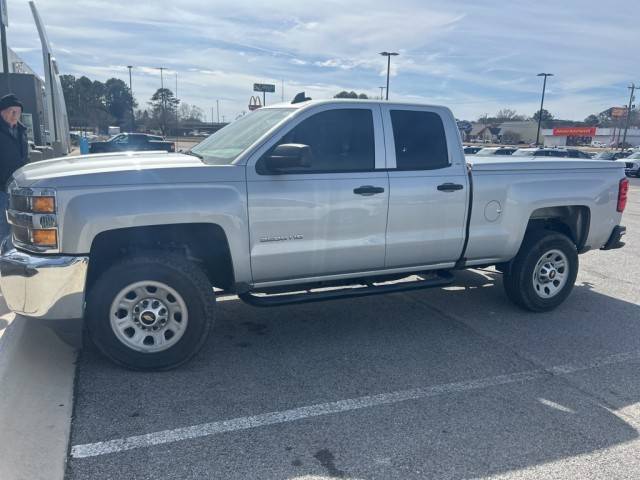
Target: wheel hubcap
[(148, 316), (550, 274)]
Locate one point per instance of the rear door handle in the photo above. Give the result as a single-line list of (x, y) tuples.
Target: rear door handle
[(368, 190), (450, 187)]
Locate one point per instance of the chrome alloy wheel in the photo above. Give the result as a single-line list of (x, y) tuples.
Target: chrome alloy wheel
[(550, 274), (148, 316)]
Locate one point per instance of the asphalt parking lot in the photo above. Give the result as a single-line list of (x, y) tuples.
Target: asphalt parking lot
[(444, 383)]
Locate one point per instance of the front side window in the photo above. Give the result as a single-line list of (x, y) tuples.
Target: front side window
[(420, 140), (341, 140)]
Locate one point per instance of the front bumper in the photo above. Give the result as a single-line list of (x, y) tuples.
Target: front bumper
[(48, 287)]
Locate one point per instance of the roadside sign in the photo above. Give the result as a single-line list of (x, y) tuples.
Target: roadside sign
[(264, 87), (5, 15), (574, 132), (254, 103)]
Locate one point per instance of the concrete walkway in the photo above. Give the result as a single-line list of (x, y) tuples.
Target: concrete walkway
[(36, 398)]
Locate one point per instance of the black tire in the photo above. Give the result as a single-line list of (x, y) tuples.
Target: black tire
[(518, 278), (185, 278)]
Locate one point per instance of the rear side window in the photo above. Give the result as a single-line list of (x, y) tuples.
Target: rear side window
[(420, 141), (341, 140)]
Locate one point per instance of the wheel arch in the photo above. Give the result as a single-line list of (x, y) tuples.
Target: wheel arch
[(570, 220), (204, 243)]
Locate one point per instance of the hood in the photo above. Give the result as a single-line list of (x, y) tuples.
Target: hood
[(128, 168)]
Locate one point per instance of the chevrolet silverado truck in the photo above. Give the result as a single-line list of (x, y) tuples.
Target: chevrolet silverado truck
[(292, 203), (125, 142)]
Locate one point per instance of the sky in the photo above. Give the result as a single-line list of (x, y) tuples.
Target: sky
[(474, 56)]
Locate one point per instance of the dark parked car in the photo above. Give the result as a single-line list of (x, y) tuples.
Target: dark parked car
[(540, 152), (575, 153), (124, 142), (471, 150)]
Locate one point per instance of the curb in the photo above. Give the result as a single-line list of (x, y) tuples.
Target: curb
[(37, 373)]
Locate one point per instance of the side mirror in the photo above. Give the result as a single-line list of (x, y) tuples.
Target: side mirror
[(289, 155)]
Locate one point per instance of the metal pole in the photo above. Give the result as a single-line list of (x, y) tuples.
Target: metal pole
[(544, 87), (626, 127), (381, 92), (388, 70), (176, 110), (218, 109), (264, 98), (5, 57), (212, 117), (133, 118)]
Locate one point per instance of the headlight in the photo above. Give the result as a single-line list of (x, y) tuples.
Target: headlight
[(33, 219), (43, 204)]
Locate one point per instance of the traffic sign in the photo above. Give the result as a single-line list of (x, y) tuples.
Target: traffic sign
[(264, 87)]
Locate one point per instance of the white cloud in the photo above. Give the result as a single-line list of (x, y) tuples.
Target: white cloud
[(474, 56)]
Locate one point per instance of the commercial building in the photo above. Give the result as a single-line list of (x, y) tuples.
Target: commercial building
[(569, 136)]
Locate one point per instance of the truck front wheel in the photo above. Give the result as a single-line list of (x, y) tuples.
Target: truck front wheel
[(543, 273), (151, 311)]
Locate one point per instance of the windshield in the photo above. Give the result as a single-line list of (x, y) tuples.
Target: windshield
[(524, 153), (487, 151), (605, 156), (224, 146), (635, 156)]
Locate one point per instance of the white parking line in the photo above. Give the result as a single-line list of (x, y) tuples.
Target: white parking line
[(320, 409)]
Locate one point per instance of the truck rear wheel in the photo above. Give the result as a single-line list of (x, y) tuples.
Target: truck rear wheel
[(543, 273), (151, 311)]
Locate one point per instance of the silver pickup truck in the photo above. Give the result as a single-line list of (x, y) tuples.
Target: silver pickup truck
[(292, 203)]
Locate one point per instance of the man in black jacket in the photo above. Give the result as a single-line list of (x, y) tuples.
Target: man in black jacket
[(14, 149)]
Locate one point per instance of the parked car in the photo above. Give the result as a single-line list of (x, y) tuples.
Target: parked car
[(540, 152), (597, 144), (125, 142), (471, 150), (611, 155), (279, 205), (575, 153), (496, 151), (632, 165)]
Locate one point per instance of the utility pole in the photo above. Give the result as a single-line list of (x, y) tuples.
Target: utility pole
[(176, 110), (5, 50), (632, 87), (163, 98), (388, 55), (133, 118), (544, 87), (218, 109)]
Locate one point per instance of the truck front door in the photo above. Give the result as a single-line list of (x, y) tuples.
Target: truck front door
[(328, 218), (428, 187)]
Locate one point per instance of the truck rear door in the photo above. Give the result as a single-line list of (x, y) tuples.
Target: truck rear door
[(428, 187)]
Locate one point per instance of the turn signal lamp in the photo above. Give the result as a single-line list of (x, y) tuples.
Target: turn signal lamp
[(43, 204), (45, 238)]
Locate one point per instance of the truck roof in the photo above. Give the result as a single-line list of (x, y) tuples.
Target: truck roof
[(349, 100)]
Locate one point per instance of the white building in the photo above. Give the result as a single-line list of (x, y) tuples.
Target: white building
[(565, 136)]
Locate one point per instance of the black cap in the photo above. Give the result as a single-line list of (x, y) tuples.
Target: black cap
[(10, 101)]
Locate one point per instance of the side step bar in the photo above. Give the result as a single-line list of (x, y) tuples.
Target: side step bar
[(263, 299)]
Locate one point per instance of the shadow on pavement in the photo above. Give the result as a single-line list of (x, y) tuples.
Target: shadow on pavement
[(264, 360)]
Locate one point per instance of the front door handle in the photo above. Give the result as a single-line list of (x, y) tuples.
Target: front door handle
[(368, 190), (450, 187)]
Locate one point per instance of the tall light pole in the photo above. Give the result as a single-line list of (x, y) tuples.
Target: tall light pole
[(5, 50), (163, 98), (218, 109), (388, 55), (632, 87), (133, 118), (544, 87)]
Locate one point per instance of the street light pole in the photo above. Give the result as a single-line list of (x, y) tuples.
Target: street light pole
[(163, 98), (388, 55), (133, 118), (218, 109), (544, 87), (632, 87)]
